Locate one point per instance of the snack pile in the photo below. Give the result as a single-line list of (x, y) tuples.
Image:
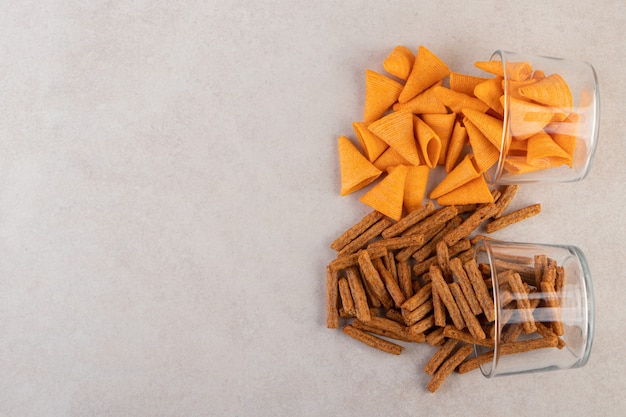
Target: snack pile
[(422, 115), (416, 281), (406, 271)]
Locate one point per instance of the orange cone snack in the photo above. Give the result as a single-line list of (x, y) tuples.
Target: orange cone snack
[(489, 126), (464, 83), (455, 147), (475, 191), (387, 196), (426, 102), (485, 154), (542, 147), (427, 70), (429, 142), (463, 173), (396, 129), (399, 62), (356, 171), (551, 91), (456, 101), (442, 125), (390, 158), (415, 186), (380, 93), (372, 145), (528, 118), (490, 92)]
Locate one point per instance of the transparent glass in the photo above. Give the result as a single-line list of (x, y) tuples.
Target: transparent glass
[(549, 324), (572, 121)]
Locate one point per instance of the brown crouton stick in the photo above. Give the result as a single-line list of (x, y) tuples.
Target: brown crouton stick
[(441, 355), (448, 367), (359, 296), (354, 231), (443, 290), (514, 217), (332, 299), (373, 341)]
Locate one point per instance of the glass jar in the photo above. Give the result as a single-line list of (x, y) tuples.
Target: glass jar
[(544, 308)]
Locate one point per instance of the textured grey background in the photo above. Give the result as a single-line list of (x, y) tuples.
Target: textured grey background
[(169, 187)]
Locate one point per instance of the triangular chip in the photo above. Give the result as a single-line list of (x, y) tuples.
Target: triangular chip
[(518, 165), (372, 145), (463, 173), (415, 186), (490, 92), (464, 83), (380, 93), (514, 86), (455, 147), (485, 154), (456, 101), (526, 118), (389, 158), (542, 146), (475, 191), (442, 125), (551, 91), (425, 102), (427, 70), (387, 196), (396, 129), (490, 126), (517, 71), (429, 142), (399, 62), (567, 143), (356, 170), (492, 67)]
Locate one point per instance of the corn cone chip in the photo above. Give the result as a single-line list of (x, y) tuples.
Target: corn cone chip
[(490, 126), (380, 93), (427, 70), (389, 158), (528, 118), (490, 92), (475, 191), (567, 143), (425, 102), (455, 147), (517, 71), (551, 91), (372, 145), (356, 170), (492, 67), (463, 83), (458, 101), (542, 146), (396, 129), (514, 87), (399, 62), (463, 173), (387, 196), (429, 142), (415, 186), (485, 154), (518, 165), (442, 125)]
